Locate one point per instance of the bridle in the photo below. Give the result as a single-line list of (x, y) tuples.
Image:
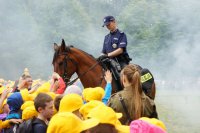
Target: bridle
[(65, 74), (66, 59)]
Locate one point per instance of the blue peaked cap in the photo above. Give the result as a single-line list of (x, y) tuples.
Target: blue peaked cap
[(107, 20)]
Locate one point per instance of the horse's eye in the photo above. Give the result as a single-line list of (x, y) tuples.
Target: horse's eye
[(61, 63)]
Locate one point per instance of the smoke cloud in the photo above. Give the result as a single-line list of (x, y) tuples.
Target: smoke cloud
[(29, 29)]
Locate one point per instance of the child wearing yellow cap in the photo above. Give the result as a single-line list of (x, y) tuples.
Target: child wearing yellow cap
[(67, 122), (29, 113), (109, 122), (98, 93), (71, 103), (86, 108)]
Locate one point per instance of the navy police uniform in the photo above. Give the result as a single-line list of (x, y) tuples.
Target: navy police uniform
[(113, 41)]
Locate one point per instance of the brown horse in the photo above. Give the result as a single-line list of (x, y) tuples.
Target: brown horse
[(68, 60)]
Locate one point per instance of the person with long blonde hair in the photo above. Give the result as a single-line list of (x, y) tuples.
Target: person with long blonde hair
[(132, 101)]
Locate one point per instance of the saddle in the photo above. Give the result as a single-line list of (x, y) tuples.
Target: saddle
[(115, 68)]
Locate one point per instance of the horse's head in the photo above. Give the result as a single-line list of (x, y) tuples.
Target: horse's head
[(63, 63)]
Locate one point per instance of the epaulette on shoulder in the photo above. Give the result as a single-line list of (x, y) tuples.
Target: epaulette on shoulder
[(121, 32)]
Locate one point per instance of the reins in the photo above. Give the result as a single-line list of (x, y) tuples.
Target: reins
[(66, 79)]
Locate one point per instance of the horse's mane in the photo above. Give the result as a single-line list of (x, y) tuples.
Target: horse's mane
[(87, 54), (68, 49)]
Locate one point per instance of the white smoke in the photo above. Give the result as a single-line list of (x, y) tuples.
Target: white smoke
[(181, 81)]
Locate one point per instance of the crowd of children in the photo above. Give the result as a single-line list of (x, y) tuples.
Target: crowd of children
[(38, 106)]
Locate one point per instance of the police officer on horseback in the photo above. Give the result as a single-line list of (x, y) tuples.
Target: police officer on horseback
[(115, 42), (114, 47)]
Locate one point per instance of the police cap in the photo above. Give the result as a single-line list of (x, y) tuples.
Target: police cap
[(107, 20)]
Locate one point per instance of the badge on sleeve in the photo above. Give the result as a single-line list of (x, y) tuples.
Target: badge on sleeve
[(114, 45)]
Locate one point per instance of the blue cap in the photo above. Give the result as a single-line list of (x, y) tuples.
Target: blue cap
[(107, 20)]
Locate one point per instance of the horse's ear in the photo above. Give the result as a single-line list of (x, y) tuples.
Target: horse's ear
[(55, 47), (63, 46)]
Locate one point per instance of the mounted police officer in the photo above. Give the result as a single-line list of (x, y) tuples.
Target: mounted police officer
[(115, 42), (114, 47)]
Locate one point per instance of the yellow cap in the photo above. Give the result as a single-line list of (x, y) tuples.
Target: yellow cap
[(52, 95), (2, 89), (25, 95), (33, 96), (155, 122), (4, 103), (27, 104), (85, 109), (54, 111), (67, 122), (70, 103), (29, 113), (107, 115), (44, 88), (96, 93)]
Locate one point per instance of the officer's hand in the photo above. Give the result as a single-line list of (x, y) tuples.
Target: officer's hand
[(104, 56)]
